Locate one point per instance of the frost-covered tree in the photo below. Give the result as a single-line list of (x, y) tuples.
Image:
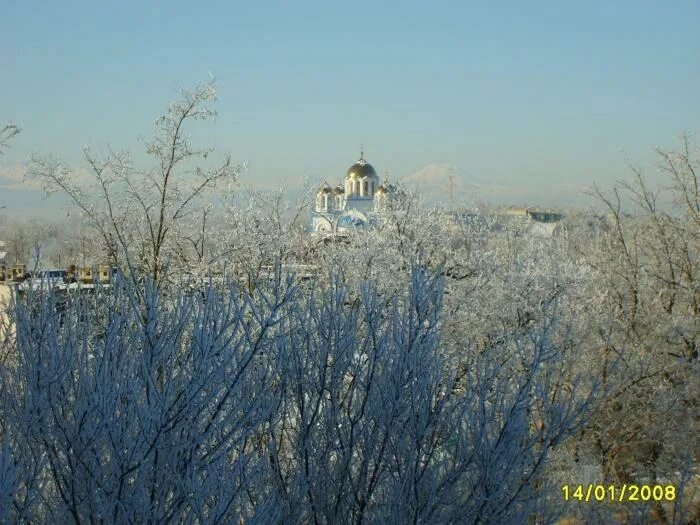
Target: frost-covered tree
[(261, 227), (284, 405), (8, 131), (648, 260), (141, 215)]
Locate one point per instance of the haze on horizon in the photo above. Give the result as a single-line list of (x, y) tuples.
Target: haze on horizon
[(522, 103)]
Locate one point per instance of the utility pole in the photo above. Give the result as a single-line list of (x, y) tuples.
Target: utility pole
[(452, 184)]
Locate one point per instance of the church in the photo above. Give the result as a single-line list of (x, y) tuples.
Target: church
[(356, 203)]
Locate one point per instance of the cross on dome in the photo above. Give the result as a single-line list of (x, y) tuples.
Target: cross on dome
[(362, 155)]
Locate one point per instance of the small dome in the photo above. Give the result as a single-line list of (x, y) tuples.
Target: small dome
[(384, 188), (338, 190), (361, 169), (324, 189)]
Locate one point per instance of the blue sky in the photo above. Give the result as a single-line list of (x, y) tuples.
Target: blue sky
[(539, 99)]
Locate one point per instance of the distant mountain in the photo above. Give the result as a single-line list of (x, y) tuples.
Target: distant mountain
[(433, 183), (437, 182), (13, 177)]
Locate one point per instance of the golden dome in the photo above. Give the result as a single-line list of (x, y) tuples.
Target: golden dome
[(361, 169), (338, 190)]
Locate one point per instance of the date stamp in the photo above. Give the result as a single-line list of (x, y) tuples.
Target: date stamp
[(618, 493)]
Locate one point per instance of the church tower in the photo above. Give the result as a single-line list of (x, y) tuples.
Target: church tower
[(361, 182), (352, 205)]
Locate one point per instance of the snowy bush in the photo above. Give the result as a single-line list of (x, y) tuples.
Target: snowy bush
[(281, 406)]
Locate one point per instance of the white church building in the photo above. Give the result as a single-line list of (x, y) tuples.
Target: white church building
[(355, 204)]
